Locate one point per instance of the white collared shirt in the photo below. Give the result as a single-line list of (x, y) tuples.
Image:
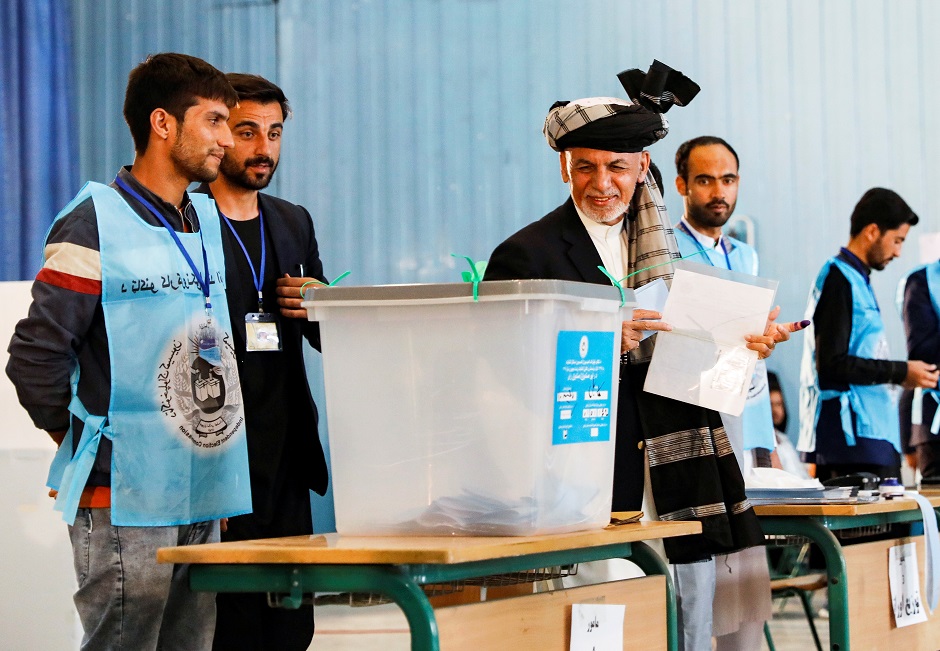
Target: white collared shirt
[(709, 243), (610, 242)]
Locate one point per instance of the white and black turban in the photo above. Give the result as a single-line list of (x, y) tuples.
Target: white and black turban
[(621, 125)]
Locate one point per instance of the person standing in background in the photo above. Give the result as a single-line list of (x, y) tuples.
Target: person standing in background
[(271, 251), (848, 412), (707, 179), (921, 313)]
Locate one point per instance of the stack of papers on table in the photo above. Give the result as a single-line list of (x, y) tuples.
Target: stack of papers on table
[(836, 495), (774, 486)]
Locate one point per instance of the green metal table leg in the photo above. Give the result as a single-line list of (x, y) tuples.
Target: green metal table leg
[(391, 581), (835, 569), (651, 563), (769, 637), (402, 583), (409, 596)]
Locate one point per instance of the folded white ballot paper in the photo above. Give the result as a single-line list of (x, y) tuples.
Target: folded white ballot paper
[(704, 360), (651, 296)]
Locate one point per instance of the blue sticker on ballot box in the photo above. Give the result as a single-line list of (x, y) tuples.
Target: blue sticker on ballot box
[(583, 374)]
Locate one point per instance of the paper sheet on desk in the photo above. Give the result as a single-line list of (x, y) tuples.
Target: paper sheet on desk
[(932, 542), (597, 627), (704, 359)]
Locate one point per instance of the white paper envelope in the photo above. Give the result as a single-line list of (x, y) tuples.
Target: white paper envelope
[(704, 359), (651, 296)]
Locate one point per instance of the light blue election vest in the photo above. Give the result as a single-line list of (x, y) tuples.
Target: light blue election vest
[(874, 406), (757, 420), (932, 272), (176, 422)]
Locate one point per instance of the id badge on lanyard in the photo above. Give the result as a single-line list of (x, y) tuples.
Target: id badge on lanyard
[(261, 329), (261, 332)]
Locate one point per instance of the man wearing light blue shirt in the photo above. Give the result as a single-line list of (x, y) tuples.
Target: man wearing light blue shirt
[(707, 178)]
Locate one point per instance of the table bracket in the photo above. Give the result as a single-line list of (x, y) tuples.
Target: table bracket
[(293, 599)]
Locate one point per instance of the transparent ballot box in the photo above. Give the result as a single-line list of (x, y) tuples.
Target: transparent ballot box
[(455, 415)]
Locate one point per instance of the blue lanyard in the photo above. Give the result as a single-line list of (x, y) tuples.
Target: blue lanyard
[(256, 276), (701, 248), (203, 280)]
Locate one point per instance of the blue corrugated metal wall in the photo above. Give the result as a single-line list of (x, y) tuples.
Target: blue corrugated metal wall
[(417, 123)]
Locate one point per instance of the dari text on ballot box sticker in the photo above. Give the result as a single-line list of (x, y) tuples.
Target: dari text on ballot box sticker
[(584, 364)]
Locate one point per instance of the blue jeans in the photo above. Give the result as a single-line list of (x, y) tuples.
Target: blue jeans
[(125, 599)]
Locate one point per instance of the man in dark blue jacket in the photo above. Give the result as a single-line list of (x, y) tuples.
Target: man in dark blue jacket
[(921, 313)]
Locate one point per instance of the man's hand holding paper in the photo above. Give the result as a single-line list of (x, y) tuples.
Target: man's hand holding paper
[(647, 318), (644, 323)]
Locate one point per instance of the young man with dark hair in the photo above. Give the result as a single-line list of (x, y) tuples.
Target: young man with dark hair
[(685, 150), (255, 88), (270, 252), (123, 360), (174, 83), (849, 415)]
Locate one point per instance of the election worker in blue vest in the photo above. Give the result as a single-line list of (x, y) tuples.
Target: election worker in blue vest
[(707, 178), (848, 383), (921, 312), (124, 359), (270, 253)]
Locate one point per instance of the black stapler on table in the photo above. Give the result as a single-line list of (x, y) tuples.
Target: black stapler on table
[(860, 481)]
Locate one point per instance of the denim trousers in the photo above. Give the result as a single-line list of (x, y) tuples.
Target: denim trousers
[(125, 599)]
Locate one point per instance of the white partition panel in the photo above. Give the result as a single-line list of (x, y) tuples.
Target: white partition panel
[(36, 610)]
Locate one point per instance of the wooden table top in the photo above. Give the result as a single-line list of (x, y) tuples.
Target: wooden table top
[(881, 506), (336, 549)]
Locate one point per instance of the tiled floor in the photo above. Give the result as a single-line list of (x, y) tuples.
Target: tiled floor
[(342, 628), (789, 628)]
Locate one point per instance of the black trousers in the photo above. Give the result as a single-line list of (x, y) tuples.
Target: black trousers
[(244, 621), (928, 458)]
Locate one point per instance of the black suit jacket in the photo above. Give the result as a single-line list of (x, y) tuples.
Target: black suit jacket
[(559, 247), (291, 231), (555, 247)]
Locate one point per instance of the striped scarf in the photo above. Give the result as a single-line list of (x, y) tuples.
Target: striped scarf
[(693, 471), (651, 245)]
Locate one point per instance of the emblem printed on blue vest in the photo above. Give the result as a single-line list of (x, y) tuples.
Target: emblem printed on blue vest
[(201, 397)]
